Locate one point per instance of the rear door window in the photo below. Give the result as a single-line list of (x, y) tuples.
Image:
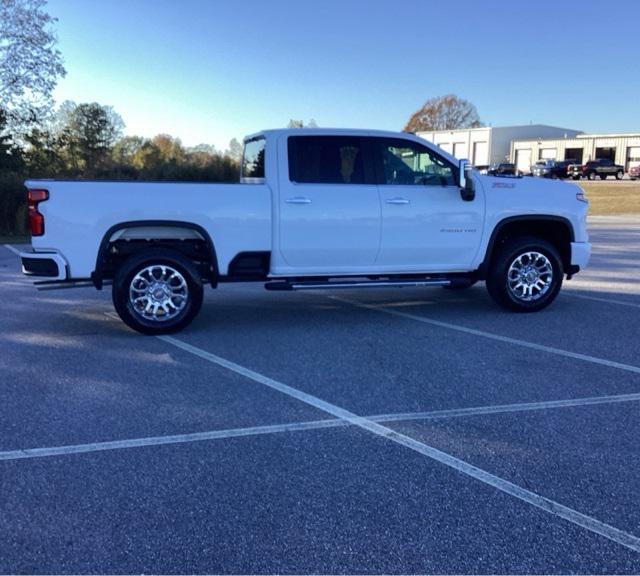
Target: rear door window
[(326, 160)]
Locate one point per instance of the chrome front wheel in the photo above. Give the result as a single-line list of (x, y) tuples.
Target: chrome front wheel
[(530, 276), (525, 274)]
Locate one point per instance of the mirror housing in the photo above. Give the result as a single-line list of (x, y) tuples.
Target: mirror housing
[(465, 181)]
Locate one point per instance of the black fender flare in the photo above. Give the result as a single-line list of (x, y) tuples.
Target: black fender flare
[(495, 234), (97, 276)]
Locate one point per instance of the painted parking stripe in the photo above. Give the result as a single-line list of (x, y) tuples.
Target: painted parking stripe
[(162, 440), (552, 507), (492, 336), (306, 425), (12, 249), (606, 300), (505, 408)]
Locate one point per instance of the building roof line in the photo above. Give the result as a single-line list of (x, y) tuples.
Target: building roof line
[(614, 135), (452, 130)]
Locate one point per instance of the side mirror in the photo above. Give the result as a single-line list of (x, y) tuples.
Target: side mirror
[(466, 183)]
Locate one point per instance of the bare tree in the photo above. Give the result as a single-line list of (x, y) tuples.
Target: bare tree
[(300, 124), (234, 152), (30, 65), (444, 113)]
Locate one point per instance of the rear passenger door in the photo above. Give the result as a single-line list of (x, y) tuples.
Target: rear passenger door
[(426, 225), (328, 206)]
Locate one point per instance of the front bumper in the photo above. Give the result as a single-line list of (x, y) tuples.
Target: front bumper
[(580, 254), (49, 265)]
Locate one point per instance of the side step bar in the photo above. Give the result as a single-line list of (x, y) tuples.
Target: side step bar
[(61, 284), (287, 285)]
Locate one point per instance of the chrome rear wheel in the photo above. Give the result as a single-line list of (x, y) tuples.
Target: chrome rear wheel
[(158, 293)]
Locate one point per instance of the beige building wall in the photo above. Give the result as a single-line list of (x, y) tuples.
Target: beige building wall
[(622, 147)]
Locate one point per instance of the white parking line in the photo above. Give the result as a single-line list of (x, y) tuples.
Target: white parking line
[(552, 507), (492, 336), (161, 440), (505, 408), (12, 249), (307, 425), (607, 300)]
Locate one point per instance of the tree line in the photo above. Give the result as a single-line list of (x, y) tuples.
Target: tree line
[(85, 141)]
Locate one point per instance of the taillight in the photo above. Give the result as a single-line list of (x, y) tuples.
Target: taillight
[(36, 220)]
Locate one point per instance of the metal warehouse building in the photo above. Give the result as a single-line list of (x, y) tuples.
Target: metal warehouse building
[(623, 149), (491, 145)]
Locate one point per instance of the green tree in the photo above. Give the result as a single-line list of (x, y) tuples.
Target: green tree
[(124, 155), (12, 195), (88, 132)]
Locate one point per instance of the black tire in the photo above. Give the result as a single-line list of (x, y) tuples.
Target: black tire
[(591, 176), (575, 177), (190, 288), (619, 175), (498, 275), (603, 176)]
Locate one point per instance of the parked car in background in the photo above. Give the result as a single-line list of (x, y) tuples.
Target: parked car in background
[(502, 169), (552, 168), (634, 172), (600, 167), (542, 168)]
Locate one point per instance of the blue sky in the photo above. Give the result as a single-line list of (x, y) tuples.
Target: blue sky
[(210, 70)]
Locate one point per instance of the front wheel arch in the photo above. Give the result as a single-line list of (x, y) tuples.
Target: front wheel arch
[(556, 230)]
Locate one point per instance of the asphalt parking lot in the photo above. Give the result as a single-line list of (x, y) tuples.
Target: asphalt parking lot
[(381, 431)]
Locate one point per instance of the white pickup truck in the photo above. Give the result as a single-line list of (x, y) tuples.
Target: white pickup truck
[(314, 209)]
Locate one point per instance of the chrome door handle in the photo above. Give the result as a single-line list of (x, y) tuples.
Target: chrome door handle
[(298, 200), (397, 201)]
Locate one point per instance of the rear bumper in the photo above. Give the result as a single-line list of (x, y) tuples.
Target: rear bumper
[(580, 254), (49, 265)]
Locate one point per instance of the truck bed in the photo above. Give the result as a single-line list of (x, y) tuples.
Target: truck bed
[(78, 214)]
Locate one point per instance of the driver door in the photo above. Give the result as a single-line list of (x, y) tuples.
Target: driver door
[(426, 225)]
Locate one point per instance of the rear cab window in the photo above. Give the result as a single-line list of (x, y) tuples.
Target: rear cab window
[(253, 160)]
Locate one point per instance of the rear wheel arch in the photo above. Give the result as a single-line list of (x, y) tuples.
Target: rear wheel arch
[(104, 267), (556, 230)]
